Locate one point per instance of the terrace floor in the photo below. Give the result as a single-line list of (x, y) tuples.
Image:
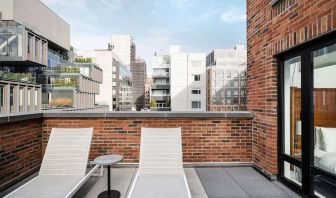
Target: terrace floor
[(231, 182), (214, 182)]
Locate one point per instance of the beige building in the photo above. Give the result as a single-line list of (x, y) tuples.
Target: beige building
[(36, 71), (148, 90), (226, 79)]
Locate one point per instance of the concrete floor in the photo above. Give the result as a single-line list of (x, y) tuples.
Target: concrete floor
[(237, 182)]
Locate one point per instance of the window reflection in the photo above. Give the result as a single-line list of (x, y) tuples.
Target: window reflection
[(292, 107)]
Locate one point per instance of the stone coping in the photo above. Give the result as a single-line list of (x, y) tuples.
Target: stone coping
[(5, 118)]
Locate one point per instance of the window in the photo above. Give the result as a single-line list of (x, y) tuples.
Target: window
[(228, 101), (228, 74), (197, 77), (228, 93), (196, 104), (235, 74), (196, 91), (235, 84), (235, 92)]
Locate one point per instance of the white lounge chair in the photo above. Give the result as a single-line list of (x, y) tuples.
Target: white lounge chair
[(63, 169), (160, 173)]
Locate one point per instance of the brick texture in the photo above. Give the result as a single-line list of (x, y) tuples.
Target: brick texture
[(271, 30), (20, 150), (204, 140)]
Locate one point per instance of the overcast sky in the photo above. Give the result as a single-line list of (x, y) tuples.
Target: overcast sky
[(195, 25)]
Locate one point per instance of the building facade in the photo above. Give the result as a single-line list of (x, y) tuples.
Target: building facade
[(226, 79), (160, 90), (148, 91), (291, 91), (25, 40), (124, 47), (188, 81), (139, 74)]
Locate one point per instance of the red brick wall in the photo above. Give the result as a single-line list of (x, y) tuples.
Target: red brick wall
[(269, 32), (20, 150), (204, 139)]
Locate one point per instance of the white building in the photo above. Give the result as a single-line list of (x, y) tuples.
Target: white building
[(226, 79), (123, 46), (104, 58), (187, 81)]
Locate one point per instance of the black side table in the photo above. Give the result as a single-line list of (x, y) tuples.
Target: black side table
[(108, 160)]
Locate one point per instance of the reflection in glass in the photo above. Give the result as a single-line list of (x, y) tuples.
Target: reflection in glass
[(325, 108), (325, 119), (292, 107), (293, 173)]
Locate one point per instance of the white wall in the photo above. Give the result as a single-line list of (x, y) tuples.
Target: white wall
[(38, 17), (122, 48), (182, 81)]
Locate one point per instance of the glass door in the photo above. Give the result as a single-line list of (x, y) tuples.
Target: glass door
[(324, 101), (291, 152), (307, 117)]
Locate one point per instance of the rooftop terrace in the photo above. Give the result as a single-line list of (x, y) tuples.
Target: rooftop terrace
[(217, 150)]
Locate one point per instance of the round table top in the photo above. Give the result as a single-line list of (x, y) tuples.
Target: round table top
[(108, 159)]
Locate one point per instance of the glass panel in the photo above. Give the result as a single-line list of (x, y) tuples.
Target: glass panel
[(293, 173), (2, 97), (292, 107), (325, 108), (324, 187)]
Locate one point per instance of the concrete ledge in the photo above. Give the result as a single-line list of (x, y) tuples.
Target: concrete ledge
[(14, 117), (5, 118), (233, 114)]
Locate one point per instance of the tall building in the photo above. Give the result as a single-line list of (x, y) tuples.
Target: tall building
[(114, 91), (226, 79), (160, 91), (138, 70), (123, 46), (187, 81)]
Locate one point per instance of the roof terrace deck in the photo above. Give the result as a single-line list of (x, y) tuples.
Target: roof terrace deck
[(209, 139)]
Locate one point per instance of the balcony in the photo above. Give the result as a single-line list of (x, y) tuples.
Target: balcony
[(18, 77), (217, 150), (161, 86), (161, 75)]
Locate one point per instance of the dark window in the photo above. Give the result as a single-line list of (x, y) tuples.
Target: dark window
[(196, 91), (197, 77), (196, 104)]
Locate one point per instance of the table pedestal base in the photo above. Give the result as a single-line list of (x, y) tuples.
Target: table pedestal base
[(113, 194)]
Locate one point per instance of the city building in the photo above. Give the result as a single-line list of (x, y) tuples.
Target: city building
[(226, 79), (71, 86), (124, 47), (114, 91), (36, 72), (148, 91), (187, 81), (291, 69), (25, 40), (124, 88), (160, 90), (139, 75)]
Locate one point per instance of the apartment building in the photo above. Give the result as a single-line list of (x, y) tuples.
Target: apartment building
[(36, 57), (124, 47), (226, 79), (139, 74), (148, 90), (187, 81), (160, 90), (114, 91), (25, 40)]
